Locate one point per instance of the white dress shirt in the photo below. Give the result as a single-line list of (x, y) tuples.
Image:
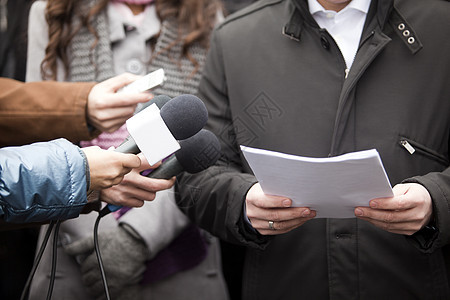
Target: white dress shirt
[(344, 26)]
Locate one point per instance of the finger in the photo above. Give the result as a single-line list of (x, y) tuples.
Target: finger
[(401, 202), (138, 194), (144, 163), (270, 201), (156, 185), (109, 113), (148, 184), (120, 81), (255, 196), (279, 227), (386, 216), (277, 214), (130, 161), (133, 202), (128, 99)]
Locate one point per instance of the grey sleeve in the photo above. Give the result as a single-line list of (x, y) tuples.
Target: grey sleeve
[(158, 222)]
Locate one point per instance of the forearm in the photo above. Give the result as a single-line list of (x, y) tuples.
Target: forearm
[(41, 182), (214, 200), (41, 111)]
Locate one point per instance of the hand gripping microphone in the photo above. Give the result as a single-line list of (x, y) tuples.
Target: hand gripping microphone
[(183, 115), (197, 153)]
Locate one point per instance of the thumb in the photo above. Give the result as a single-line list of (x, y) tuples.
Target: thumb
[(83, 246), (144, 163)]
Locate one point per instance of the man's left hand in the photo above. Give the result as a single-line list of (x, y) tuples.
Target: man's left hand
[(406, 213)]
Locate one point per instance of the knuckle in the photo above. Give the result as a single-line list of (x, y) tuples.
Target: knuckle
[(257, 202), (279, 226), (274, 215), (401, 203), (388, 217)]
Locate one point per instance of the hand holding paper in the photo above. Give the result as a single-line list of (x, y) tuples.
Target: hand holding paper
[(331, 186), (407, 212), (262, 208)]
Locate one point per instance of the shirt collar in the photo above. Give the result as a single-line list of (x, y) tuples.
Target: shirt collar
[(117, 23), (361, 5)]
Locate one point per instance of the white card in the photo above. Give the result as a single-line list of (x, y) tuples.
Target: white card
[(152, 135)]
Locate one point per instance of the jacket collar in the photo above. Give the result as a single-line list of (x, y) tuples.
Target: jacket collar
[(117, 24), (381, 13)]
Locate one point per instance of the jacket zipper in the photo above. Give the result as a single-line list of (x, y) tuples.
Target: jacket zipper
[(412, 147), (407, 146), (353, 82), (347, 70)]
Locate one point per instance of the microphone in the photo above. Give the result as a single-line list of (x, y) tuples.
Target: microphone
[(159, 100), (183, 115), (129, 144), (197, 153)]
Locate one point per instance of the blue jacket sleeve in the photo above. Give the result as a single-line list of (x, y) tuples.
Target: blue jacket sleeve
[(42, 182)]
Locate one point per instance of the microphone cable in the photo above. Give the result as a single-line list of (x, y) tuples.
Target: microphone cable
[(24, 295), (97, 252), (54, 256)]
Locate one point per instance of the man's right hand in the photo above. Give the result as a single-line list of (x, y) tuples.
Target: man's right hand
[(107, 110), (271, 215)]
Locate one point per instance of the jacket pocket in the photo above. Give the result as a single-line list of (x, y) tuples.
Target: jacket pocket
[(415, 148)]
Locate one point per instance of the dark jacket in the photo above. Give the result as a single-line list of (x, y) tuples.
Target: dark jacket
[(275, 80)]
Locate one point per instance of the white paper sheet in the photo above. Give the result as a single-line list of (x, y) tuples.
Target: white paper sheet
[(332, 186)]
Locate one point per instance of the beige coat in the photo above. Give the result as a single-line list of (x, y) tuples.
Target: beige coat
[(42, 111)]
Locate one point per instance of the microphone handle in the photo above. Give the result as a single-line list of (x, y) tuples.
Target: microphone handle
[(169, 168), (128, 146)]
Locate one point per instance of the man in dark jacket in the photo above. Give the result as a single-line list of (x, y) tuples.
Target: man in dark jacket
[(324, 78)]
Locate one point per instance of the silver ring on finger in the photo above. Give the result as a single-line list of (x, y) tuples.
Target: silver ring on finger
[(271, 225)]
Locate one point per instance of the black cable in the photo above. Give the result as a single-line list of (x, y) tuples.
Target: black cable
[(99, 257), (54, 256), (37, 260)]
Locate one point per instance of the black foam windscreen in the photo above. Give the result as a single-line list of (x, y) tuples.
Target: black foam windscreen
[(199, 152), (184, 115), (159, 100)]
